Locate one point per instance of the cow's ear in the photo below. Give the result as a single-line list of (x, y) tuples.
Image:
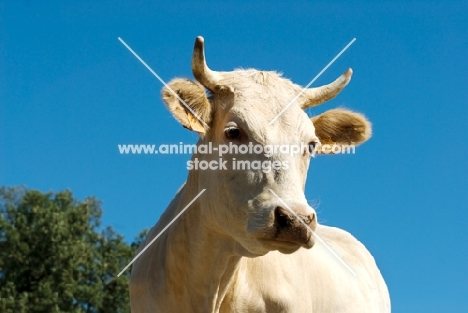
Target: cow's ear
[(339, 126), (188, 103)]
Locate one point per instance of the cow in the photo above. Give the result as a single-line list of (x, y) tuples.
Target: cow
[(251, 242)]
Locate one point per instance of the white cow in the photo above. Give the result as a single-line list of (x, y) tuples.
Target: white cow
[(238, 247)]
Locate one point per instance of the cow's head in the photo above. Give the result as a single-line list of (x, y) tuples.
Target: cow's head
[(262, 207)]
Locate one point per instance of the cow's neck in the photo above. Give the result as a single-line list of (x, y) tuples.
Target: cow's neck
[(200, 263)]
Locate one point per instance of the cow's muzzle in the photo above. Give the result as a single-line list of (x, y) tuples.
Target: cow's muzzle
[(295, 225)]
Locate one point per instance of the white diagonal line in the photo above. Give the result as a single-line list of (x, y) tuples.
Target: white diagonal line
[(312, 81), (314, 233), (162, 81), (162, 231)]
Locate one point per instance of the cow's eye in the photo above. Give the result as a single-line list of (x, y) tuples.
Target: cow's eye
[(232, 133), (312, 146)]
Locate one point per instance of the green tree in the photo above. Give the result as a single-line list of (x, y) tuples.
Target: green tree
[(55, 257)]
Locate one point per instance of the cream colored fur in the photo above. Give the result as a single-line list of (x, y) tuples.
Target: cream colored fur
[(339, 126), (219, 255), (193, 94)]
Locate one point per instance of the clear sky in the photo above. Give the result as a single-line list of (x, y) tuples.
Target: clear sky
[(70, 92)]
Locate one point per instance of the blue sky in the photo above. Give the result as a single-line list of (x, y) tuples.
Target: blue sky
[(70, 92)]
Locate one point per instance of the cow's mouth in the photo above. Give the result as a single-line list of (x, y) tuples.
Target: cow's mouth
[(290, 239), (304, 239), (286, 247)]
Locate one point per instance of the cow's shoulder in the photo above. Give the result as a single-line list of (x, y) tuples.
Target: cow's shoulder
[(342, 240), (275, 281), (346, 246), (366, 277)]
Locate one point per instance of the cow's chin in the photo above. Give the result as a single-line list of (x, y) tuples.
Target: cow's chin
[(259, 247), (286, 247), (251, 249)]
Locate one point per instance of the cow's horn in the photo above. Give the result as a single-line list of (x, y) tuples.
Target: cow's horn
[(316, 96), (201, 71)]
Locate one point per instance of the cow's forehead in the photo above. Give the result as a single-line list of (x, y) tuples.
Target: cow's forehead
[(257, 84), (259, 97), (260, 91)]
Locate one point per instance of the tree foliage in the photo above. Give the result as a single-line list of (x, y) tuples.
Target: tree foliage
[(56, 257)]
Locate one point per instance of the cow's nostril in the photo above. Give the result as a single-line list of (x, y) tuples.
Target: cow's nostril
[(283, 217), (286, 218), (311, 218)]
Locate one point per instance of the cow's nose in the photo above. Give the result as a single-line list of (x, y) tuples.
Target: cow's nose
[(295, 227)]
